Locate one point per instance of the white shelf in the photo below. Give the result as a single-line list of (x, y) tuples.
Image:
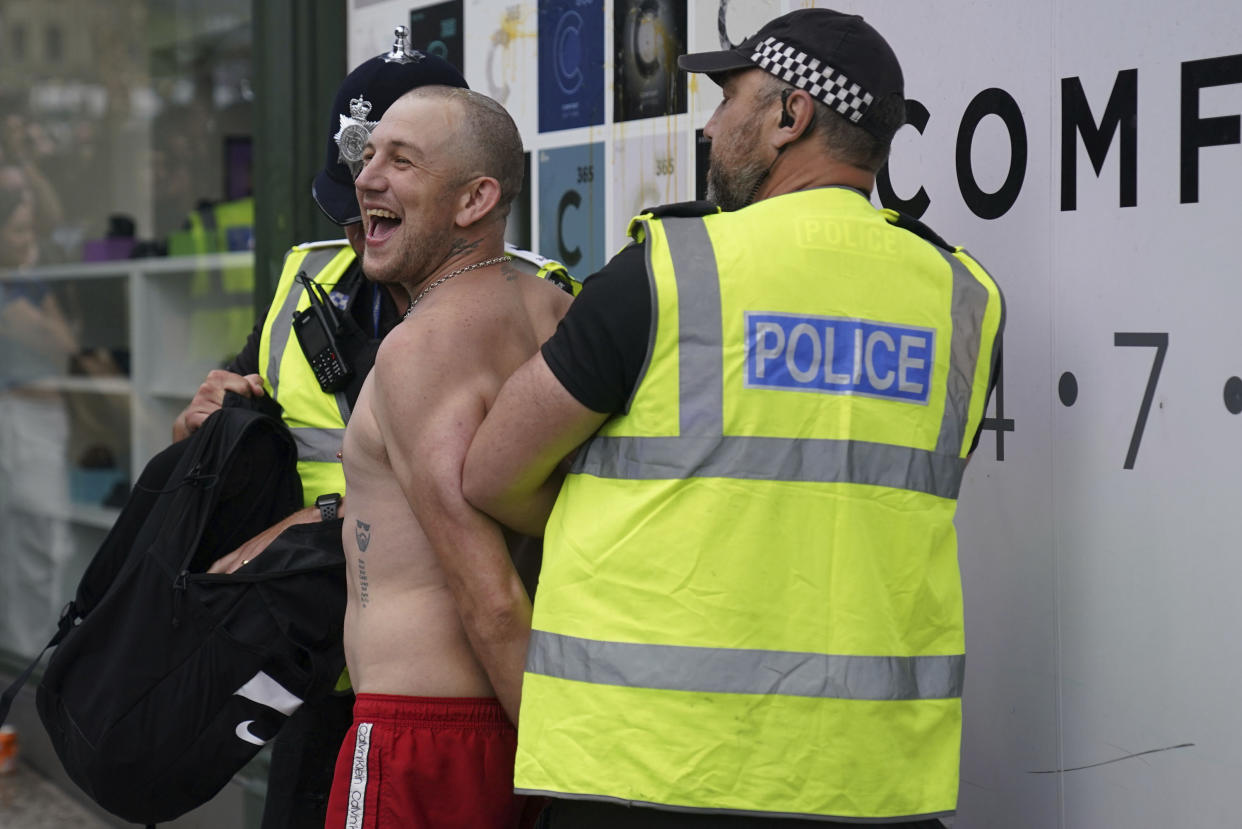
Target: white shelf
[(85, 514), (160, 331), (174, 267), (82, 384)]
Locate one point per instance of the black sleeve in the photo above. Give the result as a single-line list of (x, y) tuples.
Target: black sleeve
[(600, 346), (996, 371), (247, 360)]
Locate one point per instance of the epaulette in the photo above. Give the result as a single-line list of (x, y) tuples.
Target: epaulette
[(916, 227), (687, 209), (323, 243), (529, 256)]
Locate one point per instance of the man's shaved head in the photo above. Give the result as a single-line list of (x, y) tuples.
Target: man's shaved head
[(487, 142)]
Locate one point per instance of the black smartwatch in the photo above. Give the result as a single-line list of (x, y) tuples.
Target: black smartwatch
[(328, 505)]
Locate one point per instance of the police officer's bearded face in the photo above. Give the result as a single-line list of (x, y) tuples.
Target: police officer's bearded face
[(406, 189), (739, 160)]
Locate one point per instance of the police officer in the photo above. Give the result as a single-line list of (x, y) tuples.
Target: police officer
[(314, 405), (750, 605)]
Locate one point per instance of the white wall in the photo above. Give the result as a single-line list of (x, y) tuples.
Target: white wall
[(1102, 601)]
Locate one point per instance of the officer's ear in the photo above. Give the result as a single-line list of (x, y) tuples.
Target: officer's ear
[(476, 199), (797, 116)]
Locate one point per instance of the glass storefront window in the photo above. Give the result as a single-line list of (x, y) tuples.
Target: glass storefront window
[(125, 229)]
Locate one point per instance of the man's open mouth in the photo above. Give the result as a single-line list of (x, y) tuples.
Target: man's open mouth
[(381, 224)]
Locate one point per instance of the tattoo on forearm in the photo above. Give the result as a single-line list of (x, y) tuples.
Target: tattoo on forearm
[(364, 595), (461, 245), (362, 534)]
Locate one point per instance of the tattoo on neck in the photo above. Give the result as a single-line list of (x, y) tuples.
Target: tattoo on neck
[(461, 245), (511, 273)]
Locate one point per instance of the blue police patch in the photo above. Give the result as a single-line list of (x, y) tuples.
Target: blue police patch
[(836, 355)]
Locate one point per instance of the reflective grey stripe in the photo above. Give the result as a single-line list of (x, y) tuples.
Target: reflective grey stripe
[(702, 449), (969, 304), (603, 798), (773, 459), (342, 405), (733, 671), (700, 351), (278, 339), (320, 445)]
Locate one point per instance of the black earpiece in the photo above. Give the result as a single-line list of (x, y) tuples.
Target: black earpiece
[(787, 119)]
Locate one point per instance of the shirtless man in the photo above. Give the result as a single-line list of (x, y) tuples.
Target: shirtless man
[(436, 613)]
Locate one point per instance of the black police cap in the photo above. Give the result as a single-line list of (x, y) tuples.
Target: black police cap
[(838, 58), (362, 99)]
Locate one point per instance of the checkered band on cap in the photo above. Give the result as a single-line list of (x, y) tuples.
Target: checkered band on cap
[(816, 77)]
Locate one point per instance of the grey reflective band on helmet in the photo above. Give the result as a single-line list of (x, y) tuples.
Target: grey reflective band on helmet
[(805, 460), (318, 445), (700, 368), (967, 309), (278, 338), (735, 671)]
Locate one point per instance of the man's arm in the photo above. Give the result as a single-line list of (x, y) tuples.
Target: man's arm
[(255, 546), (428, 408), (513, 468)]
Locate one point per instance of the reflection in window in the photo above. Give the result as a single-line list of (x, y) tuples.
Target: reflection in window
[(17, 42), (125, 132), (126, 117), (53, 43)]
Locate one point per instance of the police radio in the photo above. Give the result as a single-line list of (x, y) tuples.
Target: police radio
[(316, 328)]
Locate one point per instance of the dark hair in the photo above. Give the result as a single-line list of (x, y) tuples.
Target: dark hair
[(489, 143), (847, 142)]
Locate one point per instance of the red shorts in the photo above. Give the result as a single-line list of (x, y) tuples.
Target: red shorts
[(427, 763)]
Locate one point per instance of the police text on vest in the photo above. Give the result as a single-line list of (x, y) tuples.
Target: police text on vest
[(839, 356)]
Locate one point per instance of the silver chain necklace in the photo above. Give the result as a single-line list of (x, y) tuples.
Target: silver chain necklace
[(449, 276)]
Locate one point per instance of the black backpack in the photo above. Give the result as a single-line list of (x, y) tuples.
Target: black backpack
[(166, 679)]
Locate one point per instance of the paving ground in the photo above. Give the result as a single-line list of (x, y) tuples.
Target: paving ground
[(30, 801)]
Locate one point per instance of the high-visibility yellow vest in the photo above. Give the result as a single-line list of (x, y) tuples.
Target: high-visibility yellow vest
[(221, 299), (750, 600), (548, 269), (316, 418)]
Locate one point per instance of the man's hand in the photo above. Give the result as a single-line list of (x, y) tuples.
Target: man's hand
[(255, 546), (210, 397)]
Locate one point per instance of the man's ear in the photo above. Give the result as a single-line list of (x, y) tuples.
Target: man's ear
[(477, 199), (796, 116)]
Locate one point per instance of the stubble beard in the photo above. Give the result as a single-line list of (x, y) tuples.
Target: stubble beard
[(736, 188), (734, 173), (415, 259)]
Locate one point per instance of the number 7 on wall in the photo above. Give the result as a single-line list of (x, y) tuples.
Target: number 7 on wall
[(1160, 342)]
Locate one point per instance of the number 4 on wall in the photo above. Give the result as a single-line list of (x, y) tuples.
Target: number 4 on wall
[(1000, 424)]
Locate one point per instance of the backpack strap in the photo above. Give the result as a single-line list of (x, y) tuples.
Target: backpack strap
[(63, 626)]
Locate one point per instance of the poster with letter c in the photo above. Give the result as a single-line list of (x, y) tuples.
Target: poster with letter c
[(571, 64)]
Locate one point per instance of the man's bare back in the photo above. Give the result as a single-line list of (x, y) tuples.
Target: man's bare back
[(434, 379)]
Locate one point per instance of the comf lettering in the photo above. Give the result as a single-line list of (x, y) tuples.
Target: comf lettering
[(840, 356)]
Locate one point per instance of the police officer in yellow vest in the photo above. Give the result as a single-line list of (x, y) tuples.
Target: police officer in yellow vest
[(274, 363), (750, 610)]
